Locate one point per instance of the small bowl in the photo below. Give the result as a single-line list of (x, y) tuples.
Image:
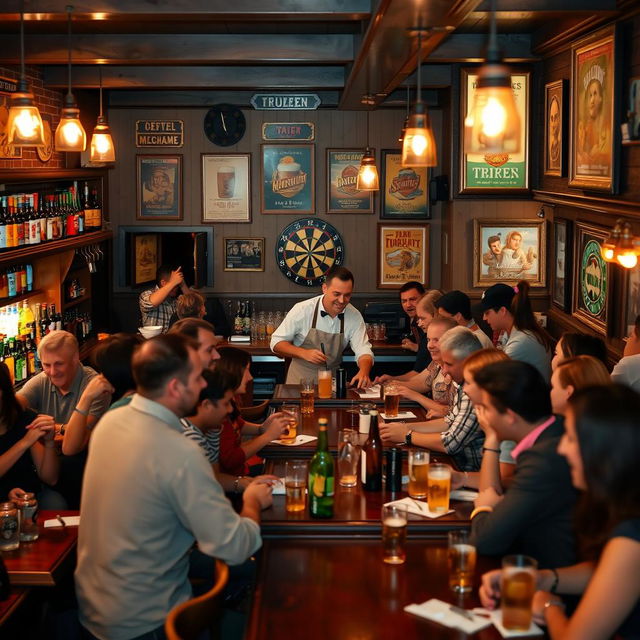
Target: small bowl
[(149, 332)]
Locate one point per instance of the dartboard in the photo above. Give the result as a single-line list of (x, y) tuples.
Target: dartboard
[(306, 249)]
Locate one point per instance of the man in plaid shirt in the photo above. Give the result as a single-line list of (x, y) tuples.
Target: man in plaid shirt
[(158, 305), (458, 433)]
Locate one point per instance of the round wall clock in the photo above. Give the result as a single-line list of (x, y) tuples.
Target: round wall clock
[(306, 249), (224, 125)]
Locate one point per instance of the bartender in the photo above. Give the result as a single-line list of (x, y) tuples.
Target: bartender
[(316, 332)]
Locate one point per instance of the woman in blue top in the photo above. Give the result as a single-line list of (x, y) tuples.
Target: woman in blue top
[(602, 447)]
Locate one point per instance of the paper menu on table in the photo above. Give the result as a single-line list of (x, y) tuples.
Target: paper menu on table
[(370, 393)]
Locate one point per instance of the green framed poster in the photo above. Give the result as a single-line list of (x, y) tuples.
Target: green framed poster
[(288, 178), (405, 194), (342, 173)]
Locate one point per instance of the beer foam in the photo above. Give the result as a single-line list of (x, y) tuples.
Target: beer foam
[(394, 522), (288, 167), (464, 549), (439, 474)]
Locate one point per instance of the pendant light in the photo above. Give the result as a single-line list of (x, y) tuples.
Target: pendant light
[(70, 134), (492, 124), (24, 123), (102, 148), (406, 121), (368, 172), (419, 144)]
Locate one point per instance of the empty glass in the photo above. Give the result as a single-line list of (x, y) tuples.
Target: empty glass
[(348, 457)]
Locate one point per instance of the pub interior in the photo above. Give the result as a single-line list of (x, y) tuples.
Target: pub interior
[(377, 261)]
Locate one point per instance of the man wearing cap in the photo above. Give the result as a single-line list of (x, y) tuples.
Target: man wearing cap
[(457, 305)]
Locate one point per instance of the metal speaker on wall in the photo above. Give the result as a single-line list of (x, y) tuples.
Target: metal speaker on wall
[(439, 189)]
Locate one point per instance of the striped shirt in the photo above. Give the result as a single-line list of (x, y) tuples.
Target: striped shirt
[(209, 441)]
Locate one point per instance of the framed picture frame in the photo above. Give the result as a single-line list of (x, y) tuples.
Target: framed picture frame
[(342, 173), (554, 124), (591, 277), (495, 173), (287, 176), (243, 254), (633, 108), (509, 250), (593, 164), (405, 190), (159, 187), (562, 264), (631, 306), (226, 187), (146, 257), (403, 254)]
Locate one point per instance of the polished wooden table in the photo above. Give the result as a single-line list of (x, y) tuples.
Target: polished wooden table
[(291, 393), (48, 559), (15, 600), (356, 512), (341, 589)]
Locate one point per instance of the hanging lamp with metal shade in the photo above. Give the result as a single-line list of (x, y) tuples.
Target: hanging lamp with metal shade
[(70, 134), (24, 123), (102, 147), (406, 121), (368, 179), (493, 124)]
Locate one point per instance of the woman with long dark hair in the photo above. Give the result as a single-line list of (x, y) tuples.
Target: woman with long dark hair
[(602, 447)]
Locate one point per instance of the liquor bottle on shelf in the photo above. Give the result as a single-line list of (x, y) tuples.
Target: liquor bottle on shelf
[(93, 214), (246, 330), (371, 458), (238, 321), (321, 476), (3, 223)]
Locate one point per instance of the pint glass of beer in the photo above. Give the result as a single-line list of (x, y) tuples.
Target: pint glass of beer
[(462, 562), (391, 399), (295, 484), (439, 487), (518, 586), (292, 412), (394, 533), (418, 473), (306, 396), (324, 383)]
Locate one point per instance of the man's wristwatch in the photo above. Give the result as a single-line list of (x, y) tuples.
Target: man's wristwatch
[(554, 603), (407, 439)]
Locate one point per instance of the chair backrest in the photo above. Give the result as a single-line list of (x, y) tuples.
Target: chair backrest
[(187, 620)]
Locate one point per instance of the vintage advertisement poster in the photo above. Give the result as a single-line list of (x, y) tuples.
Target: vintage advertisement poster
[(403, 254), (554, 128), (159, 187), (497, 171), (288, 178), (226, 180), (146, 257), (342, 173), (405, 189)]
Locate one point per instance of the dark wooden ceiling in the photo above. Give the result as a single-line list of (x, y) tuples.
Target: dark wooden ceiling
[(341, 49)]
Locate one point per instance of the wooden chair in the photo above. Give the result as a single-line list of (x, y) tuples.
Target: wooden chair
[(254, 412), (187, 620)]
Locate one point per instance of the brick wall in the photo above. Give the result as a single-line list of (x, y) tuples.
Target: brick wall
[(49, 103)]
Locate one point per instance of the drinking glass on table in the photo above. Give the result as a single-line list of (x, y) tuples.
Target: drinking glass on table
[(439, 487), (418, 473), (295, 485), (517, 589), (462, 562), (324, 383), (292, 412), (348, 457), (394, 533), (307, 392), (391, 399)]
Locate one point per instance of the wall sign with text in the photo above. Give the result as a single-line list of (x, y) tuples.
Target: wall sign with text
[(304, 131), (285, 101), (159, 133)]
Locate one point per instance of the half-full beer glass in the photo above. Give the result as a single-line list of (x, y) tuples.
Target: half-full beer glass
[(439, 487), (292, 413), (462, 562), (394, 533), (295, 485), (418, 473), (307, 392), (517, 589)]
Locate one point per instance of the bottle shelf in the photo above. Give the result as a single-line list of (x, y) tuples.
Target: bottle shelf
[(7, 301)]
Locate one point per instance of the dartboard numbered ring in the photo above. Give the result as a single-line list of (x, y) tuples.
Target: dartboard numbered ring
[(306, 249)]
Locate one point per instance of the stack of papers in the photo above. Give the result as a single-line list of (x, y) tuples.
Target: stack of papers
[(419, 508)]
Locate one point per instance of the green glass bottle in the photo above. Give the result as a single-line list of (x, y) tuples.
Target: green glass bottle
[(321, 476)]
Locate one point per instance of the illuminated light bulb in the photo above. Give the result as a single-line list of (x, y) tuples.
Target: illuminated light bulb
[(494, 118), (419, 144), (24, 124), (606, 251), (627, 259), (367, 179), (70, 134)]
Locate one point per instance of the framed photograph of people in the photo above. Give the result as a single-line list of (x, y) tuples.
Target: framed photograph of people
[(554, 128), (591, 277), (594, 103), (226, 191), (159, 187), (562, 264), (508, 251), (405, 190), (506, 173), (403, 254), (243, 254), (146, 257), (342, 174), (287, 176)]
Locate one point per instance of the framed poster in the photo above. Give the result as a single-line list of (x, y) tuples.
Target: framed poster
[(508, 251), (405, 194), (554, 106), (592, 162), (226, 180), (159, 187), (403, 254), (146, 257), (342, 173), (287, 177), (562, 264), (591, 277), (631, 307), (244, 254), (496, 172)]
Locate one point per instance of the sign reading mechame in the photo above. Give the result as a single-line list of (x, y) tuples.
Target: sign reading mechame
[(159, 133), (285, 101)]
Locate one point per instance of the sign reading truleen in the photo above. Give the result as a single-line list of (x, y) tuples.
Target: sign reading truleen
[(285, 101)]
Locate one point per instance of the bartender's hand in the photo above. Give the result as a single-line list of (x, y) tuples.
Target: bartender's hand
[(361, 380), (315, 356)]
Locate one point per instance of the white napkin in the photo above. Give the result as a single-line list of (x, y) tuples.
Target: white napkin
[(372, 392), (466, 495), (419, 508), (301, 439), (402, 415), (496, 618), (70, 521), (438, 611), (278, 487)]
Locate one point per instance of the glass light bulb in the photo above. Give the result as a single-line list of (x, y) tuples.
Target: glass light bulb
[(418, 144), (628, 259), (607, 252), (494, 118), (102, 143), (71, 132), (27, 124), (367, 175)]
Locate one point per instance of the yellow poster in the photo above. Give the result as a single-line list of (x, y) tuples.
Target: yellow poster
[(403, 254)]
